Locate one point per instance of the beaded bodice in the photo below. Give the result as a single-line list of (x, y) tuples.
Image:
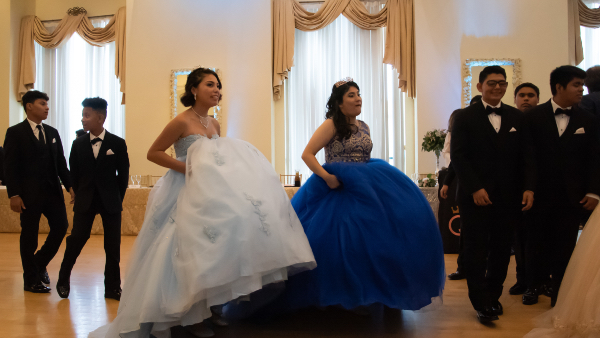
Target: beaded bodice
[(181, 146), (356, 148)]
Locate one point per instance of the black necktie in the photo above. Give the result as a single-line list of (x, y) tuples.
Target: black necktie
[(563, 111), (96, 140), (40, 135), (497, 111)]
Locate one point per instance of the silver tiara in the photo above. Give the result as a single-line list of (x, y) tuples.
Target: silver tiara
[(343, 82)]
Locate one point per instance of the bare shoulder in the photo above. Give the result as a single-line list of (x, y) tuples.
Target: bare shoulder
[(178, 125)]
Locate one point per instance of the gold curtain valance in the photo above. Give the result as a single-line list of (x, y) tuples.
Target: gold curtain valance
[(32, 30), (397, 16), (588, 17)]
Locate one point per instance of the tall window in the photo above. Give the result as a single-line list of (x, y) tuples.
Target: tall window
[(74, 71), (590, 40), (322, 58)]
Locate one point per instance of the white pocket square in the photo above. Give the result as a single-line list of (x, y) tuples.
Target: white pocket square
[(512, 130), (109, 152), (580, 131), (53, 140)]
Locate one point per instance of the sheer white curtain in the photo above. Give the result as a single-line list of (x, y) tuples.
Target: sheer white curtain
[(590, 40), (324, 57), (75, 71)]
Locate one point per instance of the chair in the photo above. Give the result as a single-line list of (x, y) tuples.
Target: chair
[(289, 180)]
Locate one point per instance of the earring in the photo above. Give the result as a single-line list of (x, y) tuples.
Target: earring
[(194, 97)]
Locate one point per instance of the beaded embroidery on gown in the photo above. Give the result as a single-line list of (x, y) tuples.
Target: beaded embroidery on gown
[(375, 238), (223, 230), (577, 310)]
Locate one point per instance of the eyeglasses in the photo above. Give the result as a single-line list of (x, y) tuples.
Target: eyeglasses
[(502, 84)]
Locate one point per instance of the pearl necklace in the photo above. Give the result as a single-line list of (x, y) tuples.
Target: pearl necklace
[(205, 124)]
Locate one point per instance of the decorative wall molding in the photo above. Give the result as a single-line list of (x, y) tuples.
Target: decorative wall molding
[(467, 75), (75, 11)]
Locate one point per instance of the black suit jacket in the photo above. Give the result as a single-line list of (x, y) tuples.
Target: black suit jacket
[(500, 162), (569, 163), (108, 174), (21, 163), (2, 166)]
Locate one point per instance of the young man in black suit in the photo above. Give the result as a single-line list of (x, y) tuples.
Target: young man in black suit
[(450, 175), (567, 154), (100, 172), (489, 154), (34, 161)]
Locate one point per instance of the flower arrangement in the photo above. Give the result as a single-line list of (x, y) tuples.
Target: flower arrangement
[(429, 181), (434, 141)]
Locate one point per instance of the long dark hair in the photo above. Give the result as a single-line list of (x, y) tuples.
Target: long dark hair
[(342, 128), (451, 120), (193, 80)]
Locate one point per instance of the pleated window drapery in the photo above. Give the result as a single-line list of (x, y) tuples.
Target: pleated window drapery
[(32, 29), (322, 58), (397, 16), (74, 71), (582, 15)]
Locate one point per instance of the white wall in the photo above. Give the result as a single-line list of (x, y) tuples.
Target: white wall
[(448, 32), (233, 35)]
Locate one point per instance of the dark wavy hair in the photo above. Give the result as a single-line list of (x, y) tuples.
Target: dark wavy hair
[(193, 80), (342, 128), (98, 104)]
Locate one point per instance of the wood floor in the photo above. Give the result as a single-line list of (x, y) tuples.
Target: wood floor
[(24, 314)]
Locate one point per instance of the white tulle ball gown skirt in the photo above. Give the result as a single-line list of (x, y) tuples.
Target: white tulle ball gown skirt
[(223, 230), (577, 310)]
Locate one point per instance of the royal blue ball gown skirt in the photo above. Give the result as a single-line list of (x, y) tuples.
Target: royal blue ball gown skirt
[(375, 240)]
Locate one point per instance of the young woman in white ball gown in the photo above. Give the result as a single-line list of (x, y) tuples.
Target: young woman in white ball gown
[(218, 226), (577, 310)]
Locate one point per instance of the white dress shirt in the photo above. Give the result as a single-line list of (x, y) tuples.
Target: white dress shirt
[(562, 121), (36, 131), (96, 147), (495, 119)]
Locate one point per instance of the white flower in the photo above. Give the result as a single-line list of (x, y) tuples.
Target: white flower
[(425, 180)]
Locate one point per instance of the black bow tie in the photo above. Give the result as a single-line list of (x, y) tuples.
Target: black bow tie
[(497, 111), (563, 111), (96, 140)]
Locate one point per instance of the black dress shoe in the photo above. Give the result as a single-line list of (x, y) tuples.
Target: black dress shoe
[(547, 290), (517, 289), (485, 316), (530, 296), (497, 309), (458, 275), (113, 294), (37, 288), (63, 290), (44, 277)]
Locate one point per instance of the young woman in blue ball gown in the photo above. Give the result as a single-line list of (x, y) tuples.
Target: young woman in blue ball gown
[(372, 232)]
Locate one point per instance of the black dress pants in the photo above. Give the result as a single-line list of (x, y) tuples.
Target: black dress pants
[(56, 213), (487, 234), (82, 228), (520, 254), (551, 238)]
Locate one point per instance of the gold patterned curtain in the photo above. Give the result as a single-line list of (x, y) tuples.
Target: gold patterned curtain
[(580, 15), (32, 30), (397, 16)]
